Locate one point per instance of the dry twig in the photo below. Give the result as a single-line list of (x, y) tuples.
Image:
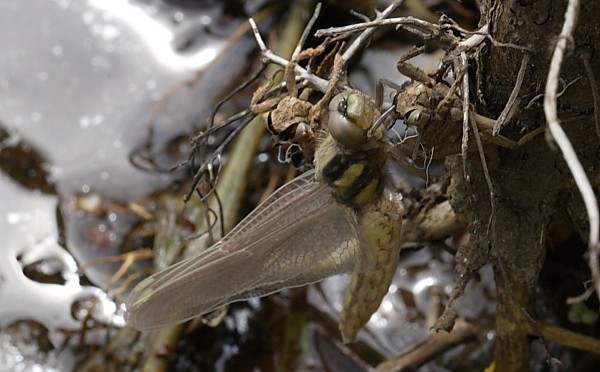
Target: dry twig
[(513, 97), (315, 81), (363, 38), (595, 94), (556, 132)]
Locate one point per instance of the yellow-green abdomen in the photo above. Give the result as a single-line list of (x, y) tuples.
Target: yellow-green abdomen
[(381, 226)]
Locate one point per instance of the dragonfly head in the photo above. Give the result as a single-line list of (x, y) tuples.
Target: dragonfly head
[(417, 117), (347, 114)]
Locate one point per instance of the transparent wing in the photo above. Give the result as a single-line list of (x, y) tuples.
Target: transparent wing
[(299, 235)]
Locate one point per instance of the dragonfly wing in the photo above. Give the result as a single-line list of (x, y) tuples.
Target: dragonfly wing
[(300, 235)]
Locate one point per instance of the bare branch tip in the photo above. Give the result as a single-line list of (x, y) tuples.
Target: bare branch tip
[(259, 40)]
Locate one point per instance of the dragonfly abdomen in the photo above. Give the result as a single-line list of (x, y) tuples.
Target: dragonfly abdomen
[(381, 226)]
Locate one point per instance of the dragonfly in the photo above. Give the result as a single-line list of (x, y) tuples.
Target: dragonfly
[(339, 218)]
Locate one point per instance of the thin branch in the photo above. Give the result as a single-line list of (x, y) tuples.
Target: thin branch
[(359, 15), (315, 81), (306, 32), (595, 95), (259, 40), (468, 118), (465, 103), (478, 37), (564, 88), (363, 38), (378, 22), (561, 139), (512, 98)]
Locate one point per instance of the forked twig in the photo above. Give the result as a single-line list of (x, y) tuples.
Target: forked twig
[(312, 79), (363, 38), (315, 81), (556, 132)]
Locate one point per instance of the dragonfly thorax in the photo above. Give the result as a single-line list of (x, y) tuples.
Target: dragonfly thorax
[(348, 160)]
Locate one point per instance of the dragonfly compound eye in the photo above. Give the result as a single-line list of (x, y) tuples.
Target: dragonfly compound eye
[(342, 126), (417, 118)]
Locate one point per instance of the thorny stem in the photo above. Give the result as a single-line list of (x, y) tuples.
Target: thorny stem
[(565, 146)]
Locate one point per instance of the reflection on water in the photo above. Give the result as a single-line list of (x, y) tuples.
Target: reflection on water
[(30, 235), (79, 83)]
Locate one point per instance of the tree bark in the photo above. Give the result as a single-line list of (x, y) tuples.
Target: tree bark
[(531, 183)]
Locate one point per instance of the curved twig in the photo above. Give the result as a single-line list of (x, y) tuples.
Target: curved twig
[(556, 132)]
